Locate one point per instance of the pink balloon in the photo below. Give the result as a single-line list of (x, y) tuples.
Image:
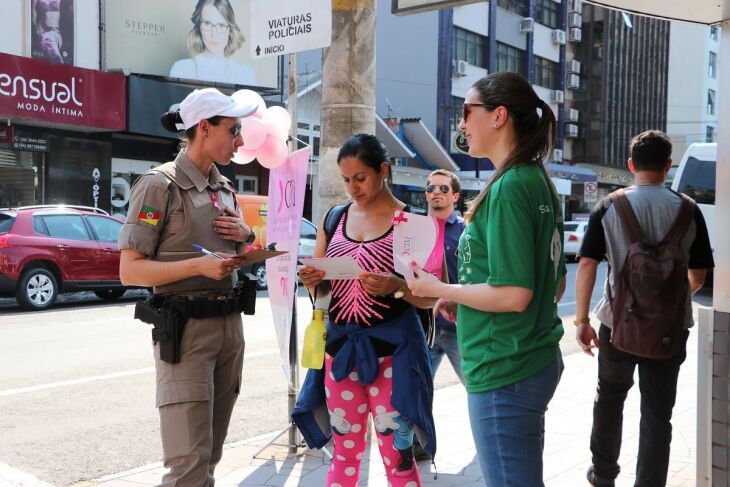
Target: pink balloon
[(277, 121), (253, 132), (246, 96), (242, 156), (272, 153)]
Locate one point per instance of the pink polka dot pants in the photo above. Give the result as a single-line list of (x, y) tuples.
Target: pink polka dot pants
[(349, 403)]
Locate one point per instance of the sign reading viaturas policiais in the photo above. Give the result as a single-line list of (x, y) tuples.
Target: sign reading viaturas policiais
[(50, 92)]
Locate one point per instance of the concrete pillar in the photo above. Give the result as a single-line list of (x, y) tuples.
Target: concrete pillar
[(348, 90), (721, 291)]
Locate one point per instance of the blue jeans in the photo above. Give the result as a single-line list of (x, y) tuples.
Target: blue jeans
[(508, 425), (445, 343)]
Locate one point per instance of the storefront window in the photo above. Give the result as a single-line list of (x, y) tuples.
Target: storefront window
[(124, 173), (21, 177)]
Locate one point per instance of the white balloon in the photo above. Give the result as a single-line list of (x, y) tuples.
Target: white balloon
[(249, 96)]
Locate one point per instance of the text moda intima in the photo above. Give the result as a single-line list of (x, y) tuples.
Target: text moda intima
[(38, 108)]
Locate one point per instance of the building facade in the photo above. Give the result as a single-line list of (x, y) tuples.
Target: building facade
[(425, 64), (82, 86), (693, 94), (625, 59)]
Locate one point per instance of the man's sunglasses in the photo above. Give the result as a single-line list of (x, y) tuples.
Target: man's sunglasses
[(466, 109), (444, 188)]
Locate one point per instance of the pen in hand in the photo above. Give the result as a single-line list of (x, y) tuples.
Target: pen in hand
[(206, 251)]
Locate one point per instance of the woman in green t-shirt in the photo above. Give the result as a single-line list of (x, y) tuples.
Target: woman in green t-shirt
[(511, 275)]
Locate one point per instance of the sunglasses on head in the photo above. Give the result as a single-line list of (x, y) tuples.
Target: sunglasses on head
[(466, 109), (444, 188)]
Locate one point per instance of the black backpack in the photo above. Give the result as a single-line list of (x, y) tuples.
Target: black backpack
[(649, 304), (332, 219)]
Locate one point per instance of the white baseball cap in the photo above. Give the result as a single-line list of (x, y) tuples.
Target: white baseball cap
[(209, 102)]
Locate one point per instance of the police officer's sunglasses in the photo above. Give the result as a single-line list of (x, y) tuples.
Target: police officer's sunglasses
[(444, 188), (235, 130)]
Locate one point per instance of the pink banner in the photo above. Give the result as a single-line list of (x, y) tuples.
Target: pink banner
[(287, 185)]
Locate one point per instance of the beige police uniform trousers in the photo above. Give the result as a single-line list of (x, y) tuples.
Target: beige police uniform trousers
[(195, 398)]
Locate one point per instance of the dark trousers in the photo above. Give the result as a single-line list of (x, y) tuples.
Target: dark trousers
[(658, 387)]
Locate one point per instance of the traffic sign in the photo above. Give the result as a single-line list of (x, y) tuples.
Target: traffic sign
[(283, 27), (590, 192)]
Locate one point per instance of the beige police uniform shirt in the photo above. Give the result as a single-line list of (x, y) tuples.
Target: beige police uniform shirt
[(173, 207)]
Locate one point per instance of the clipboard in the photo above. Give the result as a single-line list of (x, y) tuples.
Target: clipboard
[(258, 255)]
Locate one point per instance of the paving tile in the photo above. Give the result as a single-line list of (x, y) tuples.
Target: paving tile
[(566, 457)]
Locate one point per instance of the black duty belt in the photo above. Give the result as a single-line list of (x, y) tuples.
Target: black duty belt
[(241, 299)]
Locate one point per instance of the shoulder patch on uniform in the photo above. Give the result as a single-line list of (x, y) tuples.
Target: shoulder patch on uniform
[(149, 215)]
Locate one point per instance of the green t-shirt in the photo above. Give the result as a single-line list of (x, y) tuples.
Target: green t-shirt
[(512, 240)]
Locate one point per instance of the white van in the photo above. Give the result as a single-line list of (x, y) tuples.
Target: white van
[(695, 177)]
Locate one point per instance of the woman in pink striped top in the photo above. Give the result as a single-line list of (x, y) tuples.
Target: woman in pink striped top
[(364, 307)]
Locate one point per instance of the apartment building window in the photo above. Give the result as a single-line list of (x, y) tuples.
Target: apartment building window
[(520, 7), (468, 46), (710, 137), (546, 73), (548, 13), (712, 65), (247, 184), (714, 33), (710, 102), (456, 109), (511, 59), (309, 133)]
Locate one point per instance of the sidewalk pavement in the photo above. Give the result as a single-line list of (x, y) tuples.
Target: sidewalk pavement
[(568, 426)]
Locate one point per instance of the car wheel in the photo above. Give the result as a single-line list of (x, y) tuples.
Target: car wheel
[(110, 294), (37, 289), (260, 273)]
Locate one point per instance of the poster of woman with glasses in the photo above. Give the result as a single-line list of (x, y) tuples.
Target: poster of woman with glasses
[(197, 41), (214, 37)]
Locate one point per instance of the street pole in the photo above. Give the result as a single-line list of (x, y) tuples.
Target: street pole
[(348, 90), (293, 342)]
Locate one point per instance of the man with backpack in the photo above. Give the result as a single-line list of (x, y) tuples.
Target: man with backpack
[(658, 253)]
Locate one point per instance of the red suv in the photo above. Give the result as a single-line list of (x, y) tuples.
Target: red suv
[(45, 250)]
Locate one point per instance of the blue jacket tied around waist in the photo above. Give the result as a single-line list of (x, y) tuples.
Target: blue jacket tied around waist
[(412, 378)]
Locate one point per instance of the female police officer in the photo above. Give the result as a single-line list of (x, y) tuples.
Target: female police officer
[(173, 206)]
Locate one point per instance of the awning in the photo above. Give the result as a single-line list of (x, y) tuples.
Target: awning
[(470, 182), (702, 11), (395, 146), (574, 173), (426, 145), (610, 175)]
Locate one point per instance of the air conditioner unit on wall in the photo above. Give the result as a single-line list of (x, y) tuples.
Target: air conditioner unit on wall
[(574, 35), (573, 81), (559, 37), (573, 115), (575, 20), (558, 155), (458, 68), (557, 96), (527, 25), (571, 130), (574, 66), (576, 6)]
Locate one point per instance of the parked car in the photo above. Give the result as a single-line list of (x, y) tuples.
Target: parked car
[(573, 237), (50, 249), (254, 208)]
